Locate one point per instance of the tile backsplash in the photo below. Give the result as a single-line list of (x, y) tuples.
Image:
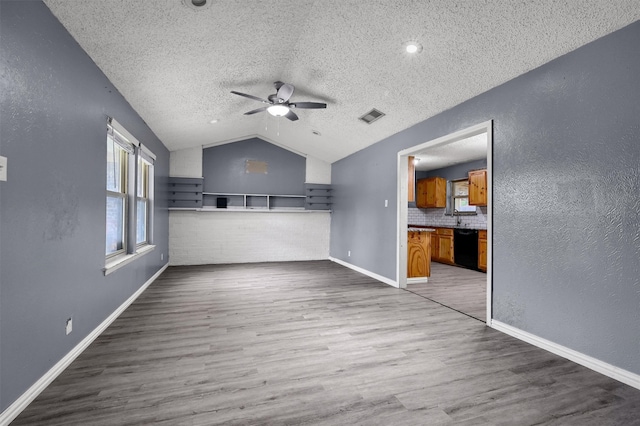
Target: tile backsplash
[(436, 218)]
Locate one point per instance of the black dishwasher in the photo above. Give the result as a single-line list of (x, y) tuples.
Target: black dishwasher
[(465, 247)]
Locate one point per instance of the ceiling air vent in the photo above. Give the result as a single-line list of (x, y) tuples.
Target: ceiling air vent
[(372, 116)]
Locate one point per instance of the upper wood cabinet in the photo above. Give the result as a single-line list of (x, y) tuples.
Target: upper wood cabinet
[(478, 188), (411, 177), (431, 192)]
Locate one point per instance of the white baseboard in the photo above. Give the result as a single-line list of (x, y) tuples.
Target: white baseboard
[(594, 364), (417, 280), (26, 398), (365, 272)]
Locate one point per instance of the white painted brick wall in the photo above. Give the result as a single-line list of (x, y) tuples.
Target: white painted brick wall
[(199, 238), (186, 162), (436, 218)]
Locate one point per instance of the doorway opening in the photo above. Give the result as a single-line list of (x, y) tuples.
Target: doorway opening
[(437, 146)]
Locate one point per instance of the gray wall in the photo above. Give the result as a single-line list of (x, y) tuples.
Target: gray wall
[(566, 162), (223, 169), (53, 108)]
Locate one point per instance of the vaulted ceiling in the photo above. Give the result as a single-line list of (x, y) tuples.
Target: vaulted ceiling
[(176, 63)]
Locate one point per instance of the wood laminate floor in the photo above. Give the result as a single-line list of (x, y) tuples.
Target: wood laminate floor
[(315, 343), (457, 288)]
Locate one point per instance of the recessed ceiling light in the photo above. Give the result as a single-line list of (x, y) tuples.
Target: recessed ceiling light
[(315, 132), (413, 47), (214, 121)]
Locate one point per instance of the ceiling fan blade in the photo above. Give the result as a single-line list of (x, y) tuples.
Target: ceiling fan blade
[(253, 111), (285, 91), (308, 105), (291, 116), (255, 98)]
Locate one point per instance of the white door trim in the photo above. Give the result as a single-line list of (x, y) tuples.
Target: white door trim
[(402, 204)]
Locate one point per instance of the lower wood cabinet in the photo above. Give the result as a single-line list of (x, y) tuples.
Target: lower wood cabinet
[(419, 254), (434, 246), (442, 246), (445, 245), (482, 250)]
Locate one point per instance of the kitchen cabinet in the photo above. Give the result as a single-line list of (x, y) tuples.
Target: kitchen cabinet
[(443, 246), (482, 250), (434, 246), (431, 192), (419, 254), (411, 177), (478, 187)]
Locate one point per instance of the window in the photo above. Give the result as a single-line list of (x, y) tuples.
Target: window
[(460, 197), (129, 202), (143, 199), (118, 151)]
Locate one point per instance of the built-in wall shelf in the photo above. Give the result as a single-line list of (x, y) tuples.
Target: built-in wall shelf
[(318, 196), (234, 201), (185, 192)]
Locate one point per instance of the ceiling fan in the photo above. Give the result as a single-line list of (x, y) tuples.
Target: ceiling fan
[(278, 103)]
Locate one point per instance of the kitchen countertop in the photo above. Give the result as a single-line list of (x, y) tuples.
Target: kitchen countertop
[(431, 228), (420, 228)]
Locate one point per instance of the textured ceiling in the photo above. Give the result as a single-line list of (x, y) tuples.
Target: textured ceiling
[(462, 151), (176, 66)]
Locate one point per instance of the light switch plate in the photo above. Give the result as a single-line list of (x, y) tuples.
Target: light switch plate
[(3, 168)]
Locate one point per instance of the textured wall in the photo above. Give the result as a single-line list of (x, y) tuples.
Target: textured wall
[(566, 179), (198, 238), (54, 104)]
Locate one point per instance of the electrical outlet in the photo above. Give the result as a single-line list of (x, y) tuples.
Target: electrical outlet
[(349, 253), (386, 203), (69, 326), (161, 256)]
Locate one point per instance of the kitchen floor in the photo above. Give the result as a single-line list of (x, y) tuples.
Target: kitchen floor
[(457, 288)]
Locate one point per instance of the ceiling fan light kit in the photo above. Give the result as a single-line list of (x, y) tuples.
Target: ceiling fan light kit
[(279, 105), (278, 110)]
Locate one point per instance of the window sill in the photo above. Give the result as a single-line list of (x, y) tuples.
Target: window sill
[(114, 264)]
